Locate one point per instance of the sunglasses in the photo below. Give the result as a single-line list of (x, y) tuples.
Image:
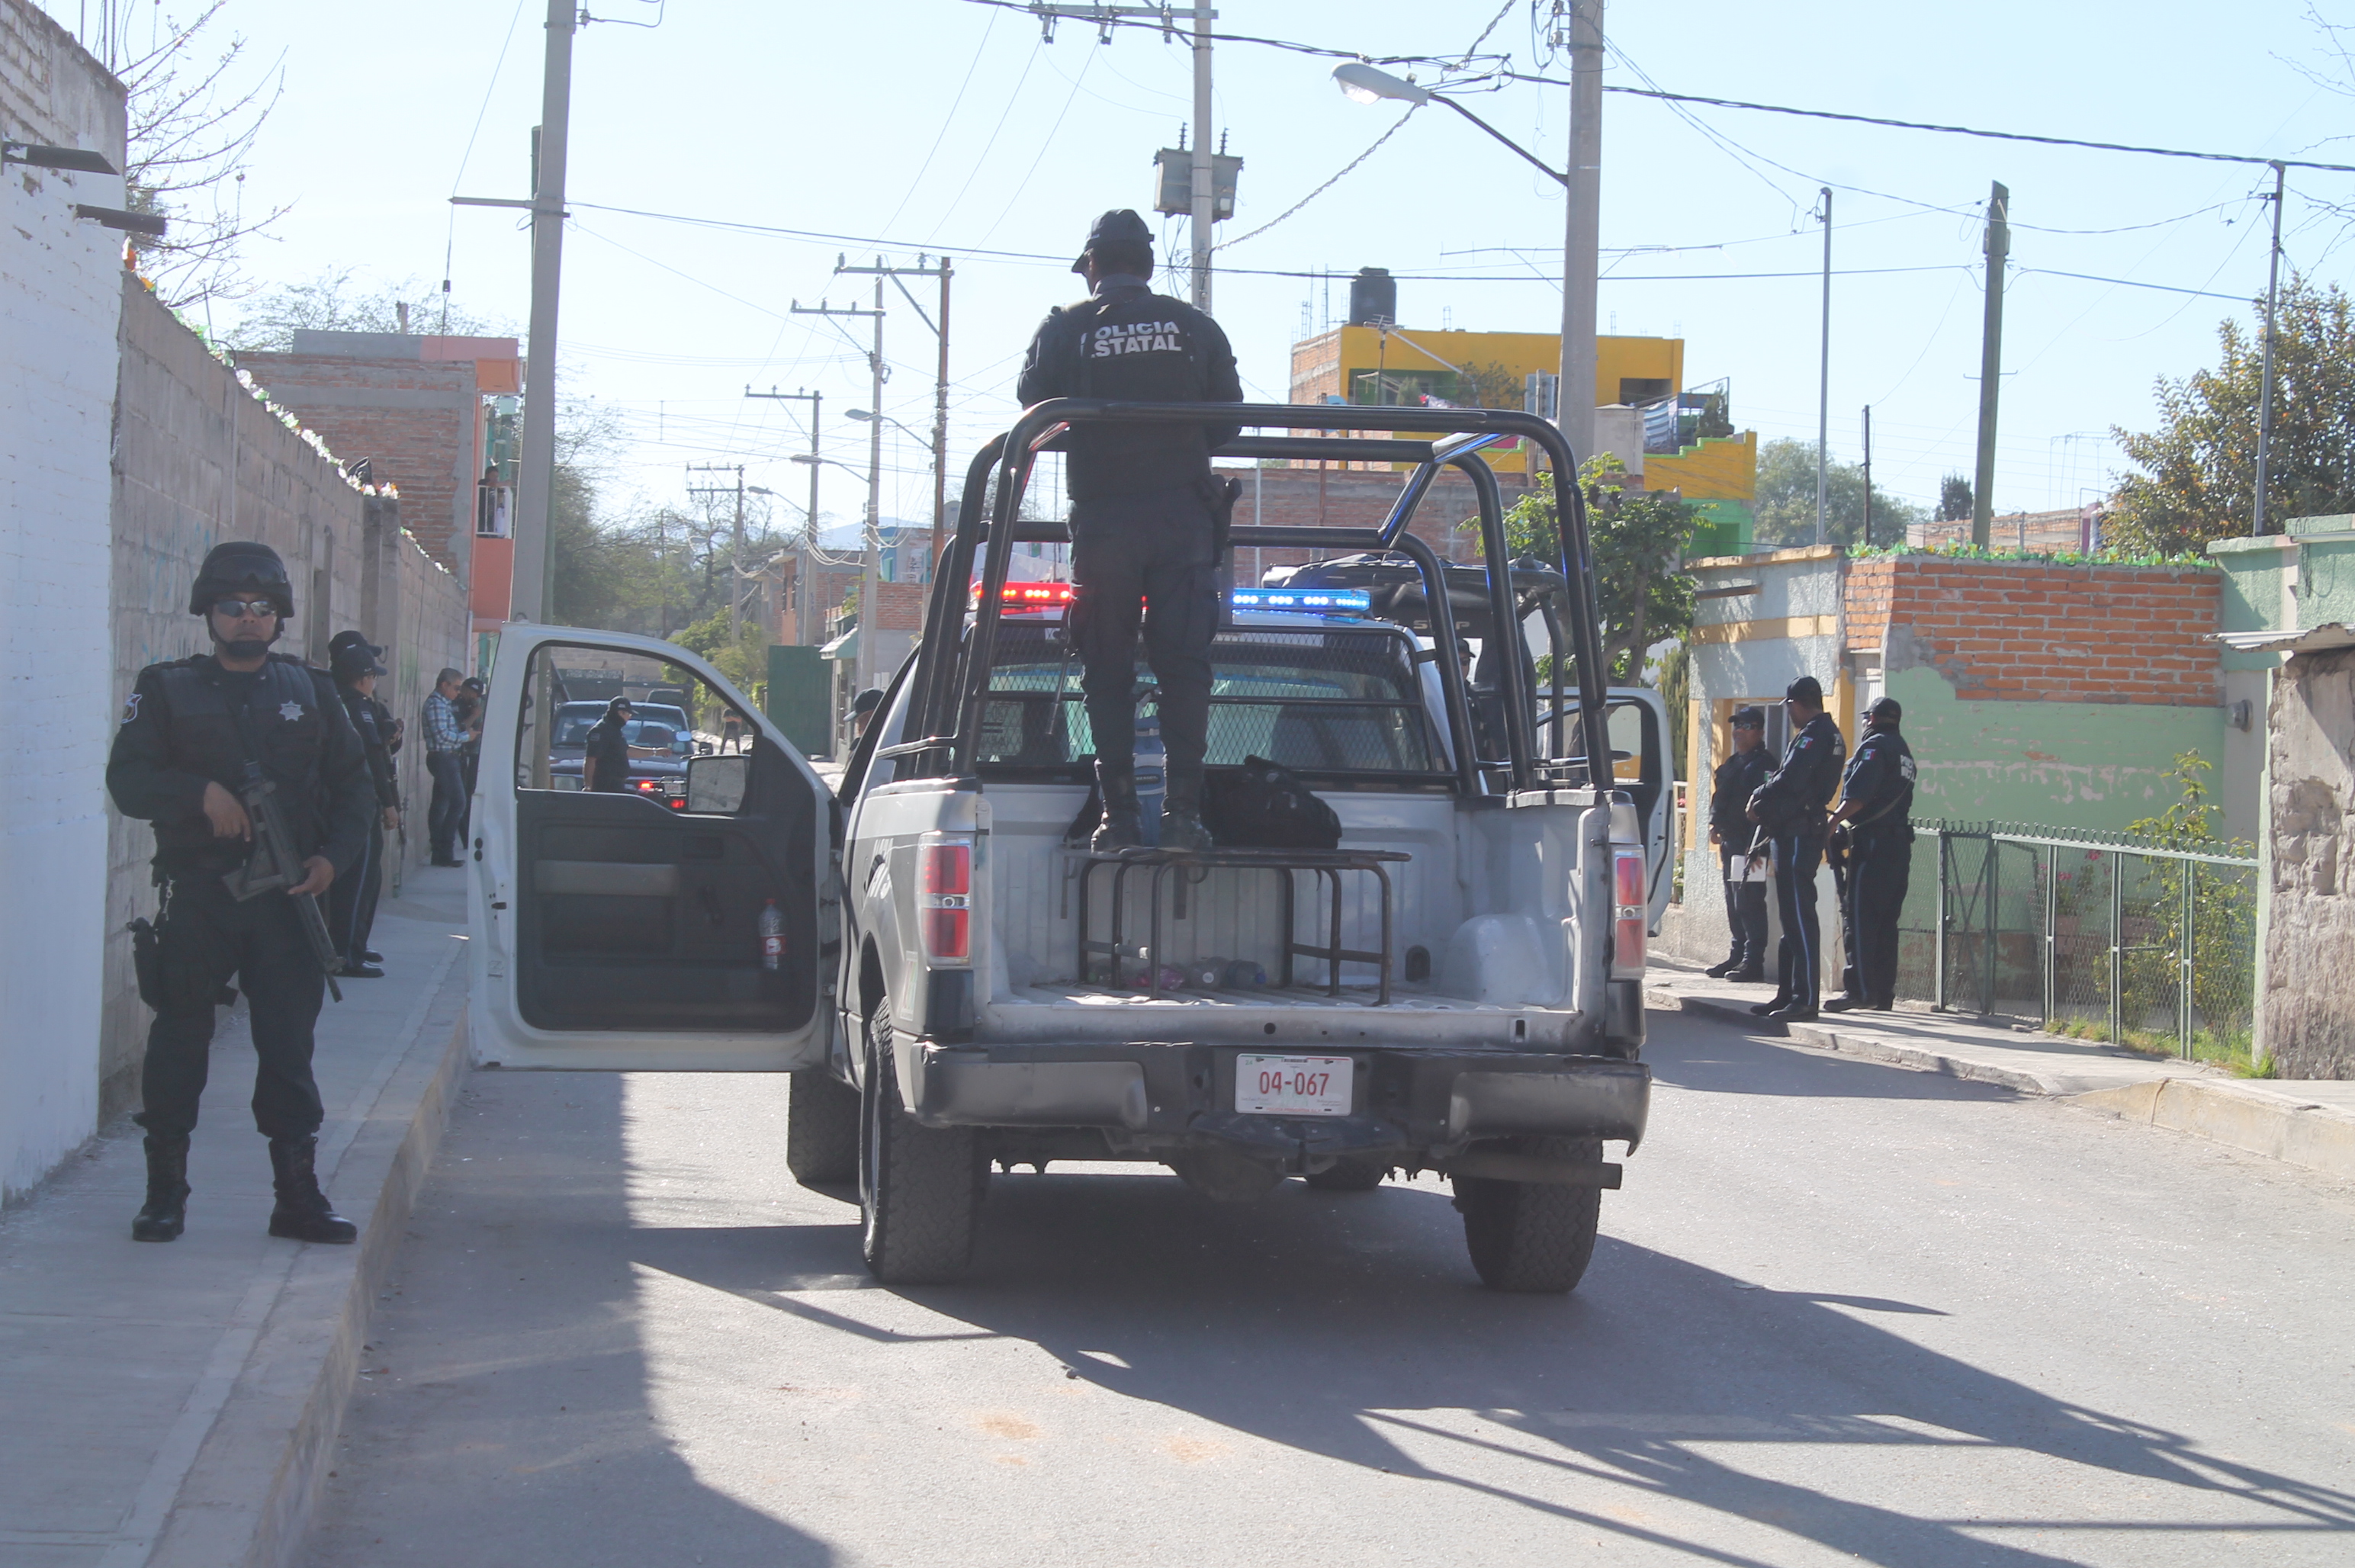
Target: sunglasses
[(239, 609)]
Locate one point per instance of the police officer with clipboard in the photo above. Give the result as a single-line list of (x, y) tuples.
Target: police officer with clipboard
[(204, 743), (1146, 517)]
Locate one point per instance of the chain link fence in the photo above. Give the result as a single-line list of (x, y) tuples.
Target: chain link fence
[(2095, 935)]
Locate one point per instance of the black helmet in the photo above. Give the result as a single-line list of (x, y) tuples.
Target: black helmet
[(241, 566)]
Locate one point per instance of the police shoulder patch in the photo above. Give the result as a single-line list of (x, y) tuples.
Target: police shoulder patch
[(130, 707)]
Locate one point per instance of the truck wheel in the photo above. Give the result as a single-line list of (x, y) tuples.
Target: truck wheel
[(821, 1128), (1527, 1236), (1349, 1175), (919, 1188)]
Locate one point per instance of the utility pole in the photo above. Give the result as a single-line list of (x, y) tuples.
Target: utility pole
[(1206, 197), (1582, 230), (736, 558), (1867, 475), (945, 272), (2265, 398), (803, 590), (871, 534), (1998, 246), (533, 596), (1824, 383)]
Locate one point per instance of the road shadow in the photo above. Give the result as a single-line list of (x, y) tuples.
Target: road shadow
[(1712, 1058), (506, 1415), (1349, 1327)]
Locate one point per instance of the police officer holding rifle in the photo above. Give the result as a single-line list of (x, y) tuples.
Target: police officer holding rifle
[(1147, 517), (249, 768)]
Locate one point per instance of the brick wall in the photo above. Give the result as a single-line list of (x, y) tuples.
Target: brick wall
[(414, 416), (899, 606), (2027, 630), (199, 459), (58, 302)]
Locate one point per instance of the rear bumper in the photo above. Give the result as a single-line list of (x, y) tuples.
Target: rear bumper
[(1149, 1097)]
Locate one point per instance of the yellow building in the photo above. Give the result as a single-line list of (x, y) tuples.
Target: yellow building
[(1392, 365)]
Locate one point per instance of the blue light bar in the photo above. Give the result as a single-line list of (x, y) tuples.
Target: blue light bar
[(1318, 601)]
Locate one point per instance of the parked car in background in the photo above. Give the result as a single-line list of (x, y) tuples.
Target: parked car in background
[(657, 726)]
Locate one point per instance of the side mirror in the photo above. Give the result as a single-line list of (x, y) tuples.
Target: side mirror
[(714, 785), (679, 745)]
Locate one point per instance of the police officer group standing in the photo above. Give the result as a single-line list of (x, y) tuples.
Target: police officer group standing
[(1872, 835), (199, 737), (1739, 853), (1790, 806), (1145, 517)]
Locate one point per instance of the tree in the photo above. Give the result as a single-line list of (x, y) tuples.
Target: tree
[(1638, 539), (194, 112), (1955, 501), (1786, 500), (2197, 472), (334, 301)]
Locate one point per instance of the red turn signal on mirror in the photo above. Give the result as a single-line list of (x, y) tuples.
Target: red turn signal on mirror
[(945, 897), (1630, 913)]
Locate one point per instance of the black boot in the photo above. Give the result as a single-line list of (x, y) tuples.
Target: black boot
[(1181, 811), (1720, 970), (302, 1214), (1119, 827), (167, 1212)]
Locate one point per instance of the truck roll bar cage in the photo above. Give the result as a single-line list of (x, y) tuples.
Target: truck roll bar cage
[(951, 683)]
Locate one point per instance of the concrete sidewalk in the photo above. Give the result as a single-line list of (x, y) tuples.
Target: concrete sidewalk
[(2304, 1122), (175, 1404)]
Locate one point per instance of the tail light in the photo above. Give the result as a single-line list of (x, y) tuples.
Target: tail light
[(945, 897), (1630, 913)]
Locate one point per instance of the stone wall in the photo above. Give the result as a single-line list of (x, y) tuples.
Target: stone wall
[(199, 458), (2307, 1008), (58, 302)]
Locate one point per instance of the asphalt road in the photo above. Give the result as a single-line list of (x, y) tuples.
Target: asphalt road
[(1839, 1313)]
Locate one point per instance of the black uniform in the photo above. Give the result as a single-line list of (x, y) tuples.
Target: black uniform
[(1143, 508), (1790, 805), (607, 744), (351, 901), (188, 723), (1880, 863), (1736, 780)]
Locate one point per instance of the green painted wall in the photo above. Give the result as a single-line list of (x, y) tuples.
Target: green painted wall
[(2073, 764)]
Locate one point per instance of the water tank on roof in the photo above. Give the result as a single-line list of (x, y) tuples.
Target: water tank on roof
[(1373, 297)]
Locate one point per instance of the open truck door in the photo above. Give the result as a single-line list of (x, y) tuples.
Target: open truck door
[(680, 923)]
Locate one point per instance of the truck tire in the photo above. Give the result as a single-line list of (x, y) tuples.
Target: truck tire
[(821, 1128), (1350, 1174), (919, 1188), (1531, 1237)]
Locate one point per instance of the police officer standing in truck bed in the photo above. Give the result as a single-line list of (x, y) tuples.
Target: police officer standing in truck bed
[(1143, 513), (179, 761), (1790, 804)]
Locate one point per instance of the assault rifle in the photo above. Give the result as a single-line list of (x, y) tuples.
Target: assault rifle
[(274, 866)]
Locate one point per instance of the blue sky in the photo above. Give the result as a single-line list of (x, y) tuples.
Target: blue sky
[(941, 125)]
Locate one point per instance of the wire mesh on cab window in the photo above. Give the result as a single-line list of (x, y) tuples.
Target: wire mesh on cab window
[(1323, 702)]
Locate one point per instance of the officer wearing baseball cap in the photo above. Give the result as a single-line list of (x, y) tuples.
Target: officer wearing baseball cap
[(1146, 517), (354, 661), (1739, 848), (1790, 806), (1874, 828), (189, 731)]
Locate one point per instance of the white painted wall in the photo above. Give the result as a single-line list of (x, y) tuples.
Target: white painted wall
[(60, 283)]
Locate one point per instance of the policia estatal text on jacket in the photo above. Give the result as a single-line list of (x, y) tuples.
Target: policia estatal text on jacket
[(189, 728), (1147, 517)]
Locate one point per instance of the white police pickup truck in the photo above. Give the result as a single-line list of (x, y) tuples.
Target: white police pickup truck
[(957, 983)]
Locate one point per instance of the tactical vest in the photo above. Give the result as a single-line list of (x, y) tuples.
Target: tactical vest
[(1137, 349), (282, 727)]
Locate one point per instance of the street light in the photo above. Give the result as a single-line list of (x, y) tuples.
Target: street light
[(863, 415), (1581, 183)]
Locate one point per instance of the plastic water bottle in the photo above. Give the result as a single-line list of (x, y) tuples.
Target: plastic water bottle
[(1152, 775), (772, 937)]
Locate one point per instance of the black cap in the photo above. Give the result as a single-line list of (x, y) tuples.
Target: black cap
[(867, 702), (1749, 719), (1807, 689), (614, 709), (1886, 709), (241, 566), (1121, 229), (350, 655)]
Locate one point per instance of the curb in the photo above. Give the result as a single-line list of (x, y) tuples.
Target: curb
[(2238, 1115), (258, 1473)]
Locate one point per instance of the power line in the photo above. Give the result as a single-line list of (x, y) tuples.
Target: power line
[(1942, 130)]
